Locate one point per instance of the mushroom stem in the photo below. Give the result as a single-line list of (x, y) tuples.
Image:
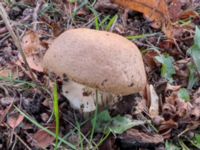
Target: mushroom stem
[(86, 99)]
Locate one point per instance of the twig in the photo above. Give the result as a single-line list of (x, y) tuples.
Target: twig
[(18, 137), (35, 14), (178, 48), (4, 38), (3, 30), (15, 38)]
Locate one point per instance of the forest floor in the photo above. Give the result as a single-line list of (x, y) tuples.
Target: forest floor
[(166, 115)]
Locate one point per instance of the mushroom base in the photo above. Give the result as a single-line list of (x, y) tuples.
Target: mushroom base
[(83, 98)]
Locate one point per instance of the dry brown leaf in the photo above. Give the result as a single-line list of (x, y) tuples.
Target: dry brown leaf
[(136, 137), (34, 61), (155, 10), (5, 73), (3, 113), (15, 120), (166, 128), (172, 87), (154, 107), (33, 48), (149, 59), (31, 43), (11, 71), (42, 139)]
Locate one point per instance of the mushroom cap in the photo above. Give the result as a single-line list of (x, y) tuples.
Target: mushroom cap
[(98, 59)]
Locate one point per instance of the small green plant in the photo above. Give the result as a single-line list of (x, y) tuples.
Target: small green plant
[(171, 146), (106, 24), (111, 23), (196, 141), (193, 79), (184, 94), (167, 70), (104, 123), (194, 51)]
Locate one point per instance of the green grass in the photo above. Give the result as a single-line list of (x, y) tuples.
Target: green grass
[(33, 121), (95, 117), (111, 23), (16, 81), (56, 113)]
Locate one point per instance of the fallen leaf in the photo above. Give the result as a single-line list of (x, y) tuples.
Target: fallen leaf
[(10, 72), (15, 120), (135, 138), (154, 107), (172, 87), (117, 125), (188, 14), (175, 9), (5, 73), (109, 144), (42, 139), (149, 59), (120, 124), (167, 70), (3, 113), (34, 61), (166, 128), (31, 43), (155, 10)]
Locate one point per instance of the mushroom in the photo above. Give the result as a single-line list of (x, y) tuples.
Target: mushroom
[(94, 59)]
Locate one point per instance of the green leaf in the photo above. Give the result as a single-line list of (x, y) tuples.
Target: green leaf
[(195, 141), (116, 125), (167, 70), (192, 76), (171, 146), (197, 37), (197, 138), (184, 94), (194, 51), (103, 120), (121, 124)]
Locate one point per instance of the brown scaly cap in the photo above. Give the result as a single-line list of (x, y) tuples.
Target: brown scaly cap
[(98, 59)]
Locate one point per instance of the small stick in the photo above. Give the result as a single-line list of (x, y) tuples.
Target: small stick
[(15, 38), (18, 137), (35, 14)]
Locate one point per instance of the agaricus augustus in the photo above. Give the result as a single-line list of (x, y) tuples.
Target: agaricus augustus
[(95, 60)]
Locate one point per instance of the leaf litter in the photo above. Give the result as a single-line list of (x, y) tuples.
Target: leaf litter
[(165, 115)]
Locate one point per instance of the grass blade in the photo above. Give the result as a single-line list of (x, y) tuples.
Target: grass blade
[(44, 129), (56, 112), (111, 23)]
